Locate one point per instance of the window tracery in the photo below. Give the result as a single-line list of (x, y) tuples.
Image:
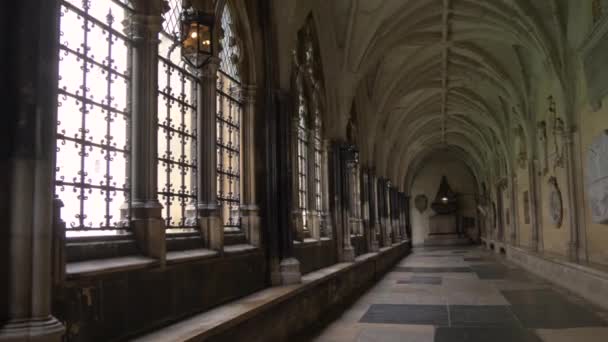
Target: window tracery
[(308, 136)]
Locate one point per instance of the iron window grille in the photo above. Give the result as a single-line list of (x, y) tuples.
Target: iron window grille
[(93, 117), (177, 107), (228, 126)]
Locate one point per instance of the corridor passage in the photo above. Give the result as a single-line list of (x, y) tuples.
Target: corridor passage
[(466, 294)]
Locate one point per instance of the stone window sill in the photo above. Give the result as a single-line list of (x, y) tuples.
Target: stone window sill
[(310, 241), (239, 249), (174, 257), (81, 269)]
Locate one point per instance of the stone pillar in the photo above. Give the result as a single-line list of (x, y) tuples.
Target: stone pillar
[(573, 244), (326, 221), (373, 212), (250, 219), (514, 211), (347, 164), (210, 222), (289, 266), (27, 163), (146, 219), (388, 213), (535, 214)]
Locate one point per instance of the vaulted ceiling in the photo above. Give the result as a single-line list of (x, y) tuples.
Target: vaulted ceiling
[(429, 75)]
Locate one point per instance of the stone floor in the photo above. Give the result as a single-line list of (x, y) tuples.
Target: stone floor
[(467, 295)]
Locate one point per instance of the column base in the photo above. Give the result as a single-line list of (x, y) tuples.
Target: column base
[(149, 229), (348, 255), (250, 222), (48, 329), (211, 227), (289, 270), (573, 252), (375, 246)]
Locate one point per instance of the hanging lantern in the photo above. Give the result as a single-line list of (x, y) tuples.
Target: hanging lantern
[(197, 37)]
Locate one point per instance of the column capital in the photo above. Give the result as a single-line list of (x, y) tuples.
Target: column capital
[(209, 70), (144, 27), (249, 92)]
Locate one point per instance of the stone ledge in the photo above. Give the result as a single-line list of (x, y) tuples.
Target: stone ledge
[(103, 266), (190, 254), (265, 307), (587, 282)]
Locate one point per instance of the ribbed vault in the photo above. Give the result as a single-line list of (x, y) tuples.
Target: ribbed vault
[(442, 75)]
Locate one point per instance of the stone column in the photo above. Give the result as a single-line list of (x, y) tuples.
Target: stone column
[(146, 220), (210, 222), (535, 214), (289, 266), (326, 221), (347, 164), (388, 213), (27, 163), (373, 212), (250, 219), (367, 228), (573, 244), (514, 211)]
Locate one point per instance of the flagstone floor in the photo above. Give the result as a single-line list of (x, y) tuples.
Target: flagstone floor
[(464, 294)]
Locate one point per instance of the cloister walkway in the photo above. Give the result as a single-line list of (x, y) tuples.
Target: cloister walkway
[(466, 294)]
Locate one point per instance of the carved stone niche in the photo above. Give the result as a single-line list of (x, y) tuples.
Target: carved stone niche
[(597, 178), (421, 202), (556, 208)]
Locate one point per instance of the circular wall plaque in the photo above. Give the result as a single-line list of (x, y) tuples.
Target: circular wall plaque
[(421, 202), (556, 209)]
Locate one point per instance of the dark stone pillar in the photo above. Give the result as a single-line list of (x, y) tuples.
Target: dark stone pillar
[(146, 220), (27, 164)]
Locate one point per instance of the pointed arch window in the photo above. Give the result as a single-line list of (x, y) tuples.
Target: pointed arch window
[(176, 161), (93, 117), (309, 178), (228, 121)]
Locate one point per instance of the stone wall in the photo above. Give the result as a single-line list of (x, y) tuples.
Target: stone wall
[(117, 305)]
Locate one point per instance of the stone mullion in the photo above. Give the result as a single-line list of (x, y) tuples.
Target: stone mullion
[(250, 220), (146, 220), (210, 222)]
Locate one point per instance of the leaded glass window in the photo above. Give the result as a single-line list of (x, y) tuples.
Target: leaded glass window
[(177, 87), (228, 122), (93, 117)]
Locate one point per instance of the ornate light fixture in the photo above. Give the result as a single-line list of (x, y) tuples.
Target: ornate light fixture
[(197, 37)]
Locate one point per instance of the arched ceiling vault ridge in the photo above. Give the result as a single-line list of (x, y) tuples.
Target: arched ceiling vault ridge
[(398, 101), (410, 176)]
